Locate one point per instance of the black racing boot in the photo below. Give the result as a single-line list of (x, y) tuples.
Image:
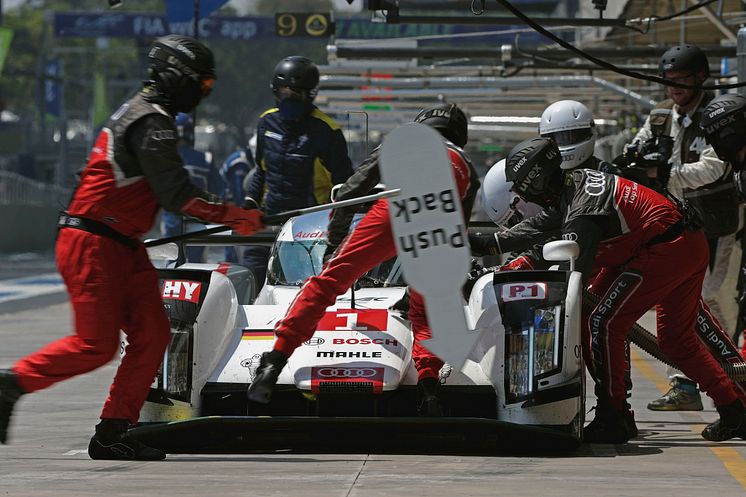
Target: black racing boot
[(111, 442), (732, 423), (610, 426), (270, 366), (428, 398), (629, 420), (10, 392)]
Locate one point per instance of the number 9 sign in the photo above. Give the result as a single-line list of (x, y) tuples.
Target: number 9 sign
[(286, 24)]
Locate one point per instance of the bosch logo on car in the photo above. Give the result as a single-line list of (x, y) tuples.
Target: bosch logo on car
[(364, 341), (314, 342), (347, 372)]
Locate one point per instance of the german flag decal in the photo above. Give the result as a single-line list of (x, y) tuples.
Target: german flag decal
[(257, 335)]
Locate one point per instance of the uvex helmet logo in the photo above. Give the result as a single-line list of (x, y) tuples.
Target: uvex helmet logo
[(722, 122), (445, 113), (518, 164), (532, 174), (716, 112)]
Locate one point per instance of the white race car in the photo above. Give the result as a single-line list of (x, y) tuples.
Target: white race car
[(352, 386)]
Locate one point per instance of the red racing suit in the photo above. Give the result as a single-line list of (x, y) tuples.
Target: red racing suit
[(133, 170), (368, 245), (636, 254)]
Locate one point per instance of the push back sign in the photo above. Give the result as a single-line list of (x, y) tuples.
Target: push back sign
[(429, 232)]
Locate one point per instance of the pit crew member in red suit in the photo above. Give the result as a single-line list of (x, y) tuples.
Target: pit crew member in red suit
[(368, 245), (724, 125), (641, 254), (133, 170)]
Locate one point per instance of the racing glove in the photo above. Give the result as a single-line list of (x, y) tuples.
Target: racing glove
[(522, 262), (482, 245), (243, 221)]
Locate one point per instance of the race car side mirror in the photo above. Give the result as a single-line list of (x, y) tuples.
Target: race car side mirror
[(165, 252), (562, 250), (334, 191)]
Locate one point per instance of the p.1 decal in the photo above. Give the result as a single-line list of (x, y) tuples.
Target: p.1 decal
[(523, 291), (187, 291)]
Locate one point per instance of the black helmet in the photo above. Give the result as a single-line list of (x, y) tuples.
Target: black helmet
[(449, 120), (685, 58), (723, 122), (182, 69), (534, 168), (298, 73)]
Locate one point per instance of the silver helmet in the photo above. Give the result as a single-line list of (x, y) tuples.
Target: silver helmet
[(502, 206), (570, 124)]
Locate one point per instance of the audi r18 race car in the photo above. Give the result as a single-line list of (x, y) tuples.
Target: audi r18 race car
[(352, 386)]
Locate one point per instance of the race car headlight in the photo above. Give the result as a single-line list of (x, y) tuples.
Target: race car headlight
[(177, 373), (531, 351)]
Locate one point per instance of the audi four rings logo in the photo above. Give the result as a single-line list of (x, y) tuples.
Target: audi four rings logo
[(595, 184), (347, 372)]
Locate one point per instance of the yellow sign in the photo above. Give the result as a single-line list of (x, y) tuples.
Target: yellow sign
[(314, 25), (317, 24)]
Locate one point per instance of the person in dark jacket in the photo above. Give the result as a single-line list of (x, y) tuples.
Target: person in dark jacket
[(300, 151), (133, 170), (695, 173)]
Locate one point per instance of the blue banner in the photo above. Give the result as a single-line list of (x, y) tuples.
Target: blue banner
[(125, 25), (52, 88), (116, 25), (181, 11)]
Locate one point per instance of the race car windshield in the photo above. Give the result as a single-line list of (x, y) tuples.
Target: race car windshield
[(291, 263)]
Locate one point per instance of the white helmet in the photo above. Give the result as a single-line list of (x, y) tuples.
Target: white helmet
[(504, 207), (571, 125)]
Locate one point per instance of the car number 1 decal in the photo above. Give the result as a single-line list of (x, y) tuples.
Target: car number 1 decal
[(354, 320)]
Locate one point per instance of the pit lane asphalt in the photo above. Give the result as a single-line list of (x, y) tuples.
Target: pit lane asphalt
[(49, 436)]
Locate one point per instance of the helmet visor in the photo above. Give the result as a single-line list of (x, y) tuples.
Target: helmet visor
[(570, 136), (536, 190)]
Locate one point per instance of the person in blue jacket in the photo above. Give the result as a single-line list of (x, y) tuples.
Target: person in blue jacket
[(201, 173), (301, 152)]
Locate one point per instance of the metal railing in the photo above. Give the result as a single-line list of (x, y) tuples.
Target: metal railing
[(20, 190)]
